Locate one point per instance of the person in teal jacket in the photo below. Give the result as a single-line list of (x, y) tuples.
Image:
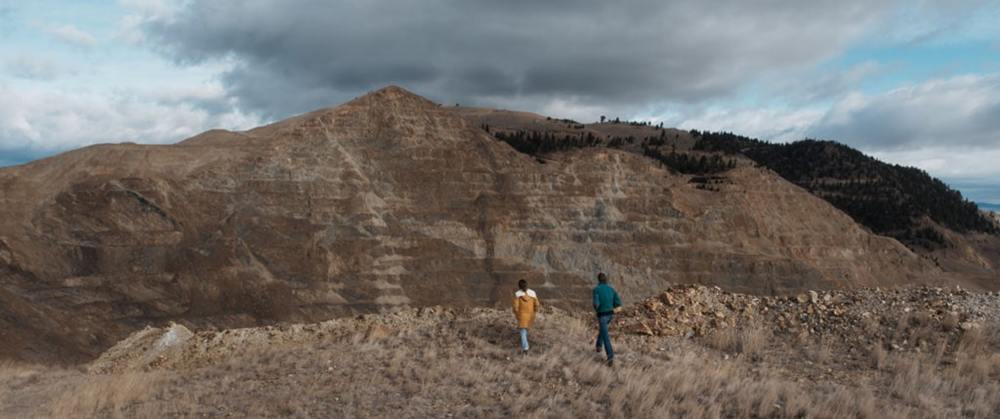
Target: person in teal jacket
[(606, 303)]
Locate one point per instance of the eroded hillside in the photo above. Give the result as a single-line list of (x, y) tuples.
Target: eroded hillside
[(387, 201), (904, 203)]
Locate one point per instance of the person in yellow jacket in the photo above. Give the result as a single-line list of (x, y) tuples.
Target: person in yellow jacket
[(525, 306)]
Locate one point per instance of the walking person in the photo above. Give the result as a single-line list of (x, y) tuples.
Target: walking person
[(525, 306), (606, 303)]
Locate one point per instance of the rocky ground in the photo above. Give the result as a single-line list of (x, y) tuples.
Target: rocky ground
[(854, 319), (691, 351)]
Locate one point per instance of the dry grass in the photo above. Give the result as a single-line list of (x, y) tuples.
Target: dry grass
[(470, 368), (106, 395), (10, 370), (878, 356), (34, 391), (749, 341)]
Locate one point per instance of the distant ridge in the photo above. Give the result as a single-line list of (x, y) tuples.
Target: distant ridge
[(988, 206), (901, 202)]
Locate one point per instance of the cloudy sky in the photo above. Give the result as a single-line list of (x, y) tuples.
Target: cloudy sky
[(915, 83)]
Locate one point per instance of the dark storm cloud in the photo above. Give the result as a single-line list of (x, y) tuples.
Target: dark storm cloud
[(297, 55)]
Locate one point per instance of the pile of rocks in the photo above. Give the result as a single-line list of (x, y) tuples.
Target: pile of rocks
[(898, 318), (144, 348), (689, 310)]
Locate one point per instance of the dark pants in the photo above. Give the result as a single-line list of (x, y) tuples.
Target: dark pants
[(603, 338)]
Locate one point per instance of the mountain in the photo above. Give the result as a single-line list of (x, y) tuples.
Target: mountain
[(890, 199), (390, 201), (900, 202)]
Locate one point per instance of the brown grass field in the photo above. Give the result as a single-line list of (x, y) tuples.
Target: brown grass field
[(464, 363)]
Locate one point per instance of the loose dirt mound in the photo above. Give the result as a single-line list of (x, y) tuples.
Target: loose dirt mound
[(175, 347), (144, 348)]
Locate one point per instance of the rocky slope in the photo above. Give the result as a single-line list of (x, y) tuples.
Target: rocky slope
[(902, 319), (386, 201)]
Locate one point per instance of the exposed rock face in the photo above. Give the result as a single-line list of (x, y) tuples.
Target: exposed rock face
[(389, 200)]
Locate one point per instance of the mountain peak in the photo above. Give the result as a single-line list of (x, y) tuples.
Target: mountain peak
[(393, 94), (394, 89), (387, 107)]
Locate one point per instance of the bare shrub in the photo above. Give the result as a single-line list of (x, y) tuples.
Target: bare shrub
[(726, 340), (950, 321), (979, 339), (820, 351)]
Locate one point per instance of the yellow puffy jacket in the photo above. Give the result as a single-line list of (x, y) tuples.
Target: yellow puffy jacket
[(525, 305)]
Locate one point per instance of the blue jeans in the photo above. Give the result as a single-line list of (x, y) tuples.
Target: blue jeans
[(603, 338), (524, 339)]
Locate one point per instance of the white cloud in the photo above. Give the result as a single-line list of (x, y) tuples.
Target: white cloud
[(962, 111), (948, 127), (43, 120), (34, 67), (772, 124), (141, 12), (949, 162), (937, 22), (158, 9), (71, 35), (819, 85)]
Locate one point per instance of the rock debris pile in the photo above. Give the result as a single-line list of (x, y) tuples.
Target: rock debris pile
[(900, 319)]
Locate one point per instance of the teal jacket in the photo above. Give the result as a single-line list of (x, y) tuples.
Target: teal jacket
[(606, 299)]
